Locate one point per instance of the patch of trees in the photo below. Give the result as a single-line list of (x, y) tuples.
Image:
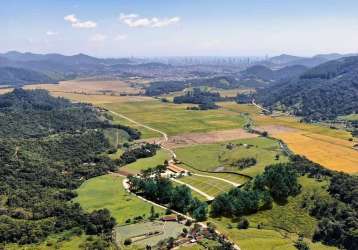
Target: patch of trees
[(243, 98), (205, 99), (244, 163), (162, 191), (165, 87), (144, 151), (278, 182)]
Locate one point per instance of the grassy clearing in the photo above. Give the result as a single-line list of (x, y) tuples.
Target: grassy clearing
[(107, 192), (145, 163), (175, 119), (212, 187), (169, 229), (217, 157), (116, 136)]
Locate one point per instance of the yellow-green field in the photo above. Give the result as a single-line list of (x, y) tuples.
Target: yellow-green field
[(108, 192), (175, 119)]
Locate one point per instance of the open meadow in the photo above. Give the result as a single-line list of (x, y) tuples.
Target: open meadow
[(108, 192)]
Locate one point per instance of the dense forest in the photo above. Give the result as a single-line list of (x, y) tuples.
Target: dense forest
[(165, 87), (321, 93), (48, 148), (205, 99)]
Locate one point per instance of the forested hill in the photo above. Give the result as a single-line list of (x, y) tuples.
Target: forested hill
[(48, 147), (323, 92), (18, 77), (34, 114)]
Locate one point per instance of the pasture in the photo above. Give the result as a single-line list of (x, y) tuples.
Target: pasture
[(108, 192), (135, 231), (219, 157)]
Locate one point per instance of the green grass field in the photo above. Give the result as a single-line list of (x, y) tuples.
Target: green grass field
[(175, 119), (212, 187), (107, 192), (145, 163), (216, 157)]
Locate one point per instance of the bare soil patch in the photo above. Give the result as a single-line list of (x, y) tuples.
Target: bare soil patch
[(273, 129), (184, 140)]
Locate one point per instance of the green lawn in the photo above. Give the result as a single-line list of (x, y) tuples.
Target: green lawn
[(212, 187), (175, 119), (145, 163), (218, 157), (107, 192)]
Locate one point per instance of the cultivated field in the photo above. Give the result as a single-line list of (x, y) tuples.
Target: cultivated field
[(175, 119), (330, 152), (184, 140), (218, 157), (95, 91), (108, 192)]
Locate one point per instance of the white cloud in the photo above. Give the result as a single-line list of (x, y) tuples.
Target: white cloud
[(135, 21), (76, 23), (51, 33), (120, 37), (98, 38)]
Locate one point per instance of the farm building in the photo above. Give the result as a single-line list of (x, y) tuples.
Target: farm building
[(175, 169), (169, 218)]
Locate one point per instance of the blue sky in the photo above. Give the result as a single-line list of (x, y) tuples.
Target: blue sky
[(113, 28)]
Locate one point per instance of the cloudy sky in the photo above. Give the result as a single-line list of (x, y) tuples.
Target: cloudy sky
[(114, 28)]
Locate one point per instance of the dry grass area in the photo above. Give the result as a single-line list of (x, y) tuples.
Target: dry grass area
[(89, 86), (5, 90), (333, 153), (183, 140), (95, 91)]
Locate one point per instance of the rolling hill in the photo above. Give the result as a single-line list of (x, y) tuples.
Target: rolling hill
[(18, 76), (321, 93)]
